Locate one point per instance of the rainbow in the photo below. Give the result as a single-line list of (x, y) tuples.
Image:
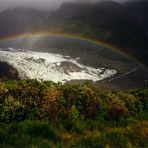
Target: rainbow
[(71, 36)]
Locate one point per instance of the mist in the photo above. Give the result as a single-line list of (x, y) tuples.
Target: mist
[(40, 4)]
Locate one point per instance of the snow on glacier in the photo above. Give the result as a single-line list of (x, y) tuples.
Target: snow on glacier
[(49, 66)]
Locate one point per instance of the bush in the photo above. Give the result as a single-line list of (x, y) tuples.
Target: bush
[(131, 102), (113, 138), (117, 110), (12, 110), (38, 129)]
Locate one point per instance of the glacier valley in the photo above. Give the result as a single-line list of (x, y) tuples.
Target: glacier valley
[(54, 67)]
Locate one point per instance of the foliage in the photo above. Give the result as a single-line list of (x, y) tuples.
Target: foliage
[(46, 114)]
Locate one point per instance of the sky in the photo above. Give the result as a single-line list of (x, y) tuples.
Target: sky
[(40, 4)]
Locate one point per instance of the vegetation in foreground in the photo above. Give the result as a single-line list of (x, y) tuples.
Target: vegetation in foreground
[(45, 114)]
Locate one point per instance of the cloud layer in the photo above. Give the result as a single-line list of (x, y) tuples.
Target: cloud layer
[(40, 4)]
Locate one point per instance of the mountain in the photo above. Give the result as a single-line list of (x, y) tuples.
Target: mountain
[(20, 20), (111, 22), (123, 25), (139, 10)]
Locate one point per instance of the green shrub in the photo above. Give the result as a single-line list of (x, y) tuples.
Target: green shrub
[(117, 109), (12, 110), (38, 129), (131, 102)]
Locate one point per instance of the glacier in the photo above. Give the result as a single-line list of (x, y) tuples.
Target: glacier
[(49, 66)]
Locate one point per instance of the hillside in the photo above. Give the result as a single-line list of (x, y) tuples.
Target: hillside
[(107, 21), (138, 9), (46, 114), (21, 20), (7, 72)]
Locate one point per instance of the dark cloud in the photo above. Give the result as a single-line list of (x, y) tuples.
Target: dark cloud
[(40, 4)]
